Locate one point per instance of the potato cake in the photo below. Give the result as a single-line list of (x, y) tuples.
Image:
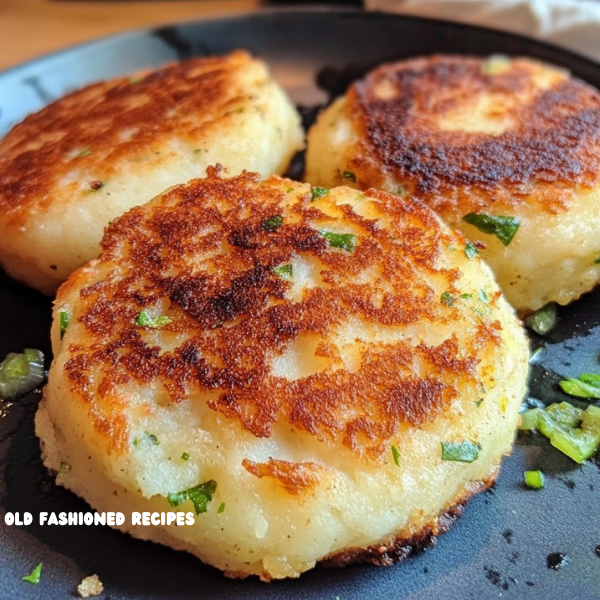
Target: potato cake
[(322, 375), (69, 169), (506, 150)]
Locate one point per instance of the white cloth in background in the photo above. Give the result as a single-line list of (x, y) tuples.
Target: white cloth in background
[(572, 24)]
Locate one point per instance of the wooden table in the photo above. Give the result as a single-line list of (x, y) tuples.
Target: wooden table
[(30, 28)]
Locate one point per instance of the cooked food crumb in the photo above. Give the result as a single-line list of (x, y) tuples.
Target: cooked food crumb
[(90, 586)]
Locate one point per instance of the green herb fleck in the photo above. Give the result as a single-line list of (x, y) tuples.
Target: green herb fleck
[(349, 175), (597, 260), (273, 223), (466, 296), (345, 241), (478, 402), (535, 356), (64, 322), (185, 456), (504, 228), (145, 320), (63, 470), (483, 297), (148, 437), (471, 250), (451, 248), (83, 153), (466, 451), (201, 495), (239, 110), (21, 373), (534, 479), (586, 386), (447, 299), (290, 189), (396, 455), (285, 271), (318, 192), (34, 576), (133, 80), (197, 151), (221, 508), (544, 319)]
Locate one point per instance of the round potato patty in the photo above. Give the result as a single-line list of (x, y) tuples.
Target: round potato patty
[(69, 169), (321, 375), (506, 151)]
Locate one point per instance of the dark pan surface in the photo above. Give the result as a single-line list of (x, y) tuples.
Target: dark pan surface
[(499, 548)]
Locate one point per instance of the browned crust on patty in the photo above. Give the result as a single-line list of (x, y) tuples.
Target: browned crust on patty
[(551, 146), (103, 126), (295, 478), (203, 250)]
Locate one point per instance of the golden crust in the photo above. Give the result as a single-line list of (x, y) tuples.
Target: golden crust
[(230, 315), (537, 138), (102, 125)]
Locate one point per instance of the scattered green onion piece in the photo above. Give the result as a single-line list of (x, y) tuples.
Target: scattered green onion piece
[(285, 271), (83, 154), (597, 260), (529, 419), (466, 296), (447, 299), (451, 248), (63, 470), (221, 508), (34, 576), (396, 455), (534, 479), (200, 495), (273, 223), (145, 320), (483, 297), (471, 250), (345, 241), (148, 437), (535, 356), (318, 192), (465, 451), (349, 175), (579, 388), (64, 322), (21, 373), (478, 402), (185, 456), (504, 228), (543, 319)]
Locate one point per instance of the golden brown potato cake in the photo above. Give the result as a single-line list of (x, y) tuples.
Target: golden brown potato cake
[(69, 169), (506, 151), (300, 365)]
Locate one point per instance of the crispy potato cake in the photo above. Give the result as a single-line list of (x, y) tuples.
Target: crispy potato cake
[(322, 375), (506, 151), (68, 170)]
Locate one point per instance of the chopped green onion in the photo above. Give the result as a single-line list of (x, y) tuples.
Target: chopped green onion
[(221, 508), (63, 470), (396, 455), (285, 271), (543, 319), (529, 419), (239, 110), (21, 373), (451, 248), (318, 192), (597, 260), (535, 356), (148, 437), (579, 388), (504, 228), (185, 456), (483, 297), (534, 479), (466, 296), (273, 223), (65, 317), (466, 451), (478, 402), (145, 320), (201, 495), (34, 576), (349, 175), (197, 151), (83, 154), (471, 250), (447, 299), (345, 241)]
